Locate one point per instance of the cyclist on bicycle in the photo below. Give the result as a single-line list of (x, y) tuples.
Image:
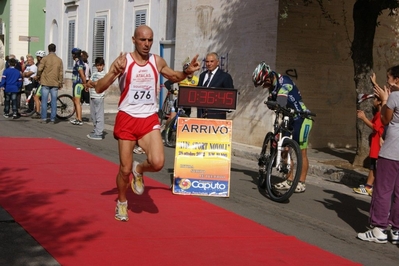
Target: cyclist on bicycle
[(284, 91)]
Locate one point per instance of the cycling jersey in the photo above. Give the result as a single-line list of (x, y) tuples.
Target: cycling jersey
[(79, 65), (287, 94)]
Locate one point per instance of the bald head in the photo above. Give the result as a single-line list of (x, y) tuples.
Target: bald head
[(141, 30)]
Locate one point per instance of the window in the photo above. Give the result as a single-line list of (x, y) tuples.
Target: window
[(141, 16), (71, 41), (98, 38)]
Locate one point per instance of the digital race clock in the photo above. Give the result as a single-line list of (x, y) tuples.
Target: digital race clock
[(204, 97)]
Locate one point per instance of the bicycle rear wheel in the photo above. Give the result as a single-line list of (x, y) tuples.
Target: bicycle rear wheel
[(264, 157), (22, 104), (65, 106), (289, 168), (170, 131)]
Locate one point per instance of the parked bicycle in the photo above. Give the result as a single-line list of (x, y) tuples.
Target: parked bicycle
[(281, 156), (65, 106)]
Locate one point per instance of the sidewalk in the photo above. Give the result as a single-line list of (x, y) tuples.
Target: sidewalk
[(327, 163)]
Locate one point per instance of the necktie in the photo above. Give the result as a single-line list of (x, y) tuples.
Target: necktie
[(208, 80)]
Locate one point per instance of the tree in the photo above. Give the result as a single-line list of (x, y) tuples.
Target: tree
[(365, 17)]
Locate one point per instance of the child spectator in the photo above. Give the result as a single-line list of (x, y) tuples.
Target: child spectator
[(11, 82), (97, 101), (375, 144)]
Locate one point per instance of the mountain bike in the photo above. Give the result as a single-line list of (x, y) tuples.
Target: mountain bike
[(281, 156), (65, 106)]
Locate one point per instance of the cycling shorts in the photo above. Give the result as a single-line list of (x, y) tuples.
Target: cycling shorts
[(132, 128), (301, 132), (38, 92), (77, 90)]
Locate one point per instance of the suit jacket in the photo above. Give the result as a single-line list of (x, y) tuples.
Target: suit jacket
[(221, 79)]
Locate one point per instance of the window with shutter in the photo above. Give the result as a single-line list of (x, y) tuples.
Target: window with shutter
[(71, 41), (141, 16), (99, 38)]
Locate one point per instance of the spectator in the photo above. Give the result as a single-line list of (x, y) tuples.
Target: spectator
[(11, 82), (214, 77), (51, 76), (375, 144), (384, 208), (29, 75), (97, 101)]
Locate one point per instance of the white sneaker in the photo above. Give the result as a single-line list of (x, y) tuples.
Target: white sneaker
[(394, 234), (301, 187), (376, 235), (286, 184), (137, 181)]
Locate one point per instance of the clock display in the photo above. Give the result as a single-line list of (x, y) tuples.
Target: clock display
[(204, 97)]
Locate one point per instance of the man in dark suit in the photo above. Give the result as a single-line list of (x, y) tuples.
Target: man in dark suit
[(217, 78)]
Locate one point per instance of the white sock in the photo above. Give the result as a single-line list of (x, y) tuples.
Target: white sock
[(124, 203)]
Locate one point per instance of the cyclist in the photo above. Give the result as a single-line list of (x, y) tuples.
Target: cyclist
[(79, 84), (284, 91), (37, 95)]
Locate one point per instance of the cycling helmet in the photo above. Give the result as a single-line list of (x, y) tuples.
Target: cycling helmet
[(261, 73), (76, 51), (40, 53)]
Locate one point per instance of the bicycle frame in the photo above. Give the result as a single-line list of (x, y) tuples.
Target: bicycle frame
[(279, 128)]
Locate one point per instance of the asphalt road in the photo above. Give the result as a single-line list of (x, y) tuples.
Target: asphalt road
[(327, 215)]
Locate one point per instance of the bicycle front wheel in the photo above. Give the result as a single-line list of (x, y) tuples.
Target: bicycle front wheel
[(283, 177), (170, 131), (269, 145), (65, 106)]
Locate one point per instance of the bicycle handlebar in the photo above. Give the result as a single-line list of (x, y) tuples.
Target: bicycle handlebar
[(272, 105)]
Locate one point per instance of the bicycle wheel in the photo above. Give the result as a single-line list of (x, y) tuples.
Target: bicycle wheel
[(22, 105), (170, 131), (65, 106), (290, 167), (264, 157)]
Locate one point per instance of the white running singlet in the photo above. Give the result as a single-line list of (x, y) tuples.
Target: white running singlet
[(139, 88)]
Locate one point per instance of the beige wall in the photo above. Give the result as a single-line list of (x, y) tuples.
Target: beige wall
[(319, 51), (251, 31)]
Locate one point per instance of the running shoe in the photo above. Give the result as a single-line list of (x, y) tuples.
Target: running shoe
[(138, 150), (6, 115), (137, 180), (363, 190), (14, 116), (394, 234), (121, 212), (376, 235)]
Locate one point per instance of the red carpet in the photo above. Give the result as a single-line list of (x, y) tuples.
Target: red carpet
[(65, 199)]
